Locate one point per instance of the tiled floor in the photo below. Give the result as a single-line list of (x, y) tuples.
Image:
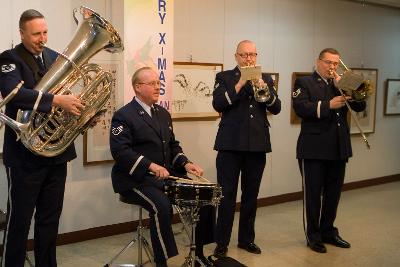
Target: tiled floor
[(369, 218)]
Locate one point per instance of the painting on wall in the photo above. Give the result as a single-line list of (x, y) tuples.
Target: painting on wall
[(193, 86), (275, 78), (392, 97)]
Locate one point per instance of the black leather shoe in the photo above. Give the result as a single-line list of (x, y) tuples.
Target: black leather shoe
[(205, 262), (250, 247), (220, 251), (317, 247), (337, 241)]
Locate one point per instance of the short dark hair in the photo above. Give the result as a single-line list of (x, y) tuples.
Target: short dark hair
[(29, 15), (328, 50)]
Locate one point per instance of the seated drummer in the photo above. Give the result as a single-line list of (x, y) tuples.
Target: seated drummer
[(142, 141)]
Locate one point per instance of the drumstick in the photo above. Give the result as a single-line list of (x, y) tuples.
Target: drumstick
[(201, 177), (185, 179)]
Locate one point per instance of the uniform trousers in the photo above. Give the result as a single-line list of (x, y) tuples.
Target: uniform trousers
[(41, 188), (151, 196), (322, 185), (230, 164)]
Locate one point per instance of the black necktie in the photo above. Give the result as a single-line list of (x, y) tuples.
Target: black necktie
[(40, 64), (154, 117)]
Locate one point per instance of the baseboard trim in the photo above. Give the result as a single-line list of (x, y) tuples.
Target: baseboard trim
[(347, 186), (127, 227)]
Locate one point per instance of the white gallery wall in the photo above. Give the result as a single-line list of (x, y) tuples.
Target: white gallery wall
[(289, 35)]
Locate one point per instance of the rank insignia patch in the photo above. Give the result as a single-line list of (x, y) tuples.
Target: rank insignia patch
[(117, 130), (7, 68), (296, 93)]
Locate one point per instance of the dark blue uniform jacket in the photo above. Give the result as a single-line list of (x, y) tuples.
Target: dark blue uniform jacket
[(327, 136), (18, 65), (137, 140), (244, 124)]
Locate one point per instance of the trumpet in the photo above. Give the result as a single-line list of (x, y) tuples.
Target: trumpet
[(261, 92), (354, 85), (252, 73)]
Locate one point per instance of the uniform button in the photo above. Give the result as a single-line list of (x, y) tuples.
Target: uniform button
[(163, 141), (251, 116), (251, 106), (338, 124), (337, 113)]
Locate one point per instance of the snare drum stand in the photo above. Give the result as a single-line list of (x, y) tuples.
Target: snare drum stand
[(192, 217)]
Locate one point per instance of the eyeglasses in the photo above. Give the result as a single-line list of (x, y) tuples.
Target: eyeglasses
[(246, 55), (153, 83), (328, 62)]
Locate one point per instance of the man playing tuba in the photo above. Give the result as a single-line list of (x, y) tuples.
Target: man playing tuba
[(33, 181)]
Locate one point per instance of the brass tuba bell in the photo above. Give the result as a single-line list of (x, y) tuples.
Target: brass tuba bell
[(50, 134)]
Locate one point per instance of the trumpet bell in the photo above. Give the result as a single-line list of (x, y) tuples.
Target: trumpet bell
[(261, 94)]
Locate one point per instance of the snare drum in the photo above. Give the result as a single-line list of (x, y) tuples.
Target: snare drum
[(192, 193)]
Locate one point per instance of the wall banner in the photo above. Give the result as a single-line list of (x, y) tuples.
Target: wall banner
[(148, 41)]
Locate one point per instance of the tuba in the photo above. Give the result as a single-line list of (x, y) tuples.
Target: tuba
[(50, 134)]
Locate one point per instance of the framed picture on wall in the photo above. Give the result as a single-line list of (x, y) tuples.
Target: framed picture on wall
[(275, 78), (366, 118), (192, 89), (392, 97), (294, 119)]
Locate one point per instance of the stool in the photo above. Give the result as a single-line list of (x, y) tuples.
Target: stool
[(139, 238), (3, 221)]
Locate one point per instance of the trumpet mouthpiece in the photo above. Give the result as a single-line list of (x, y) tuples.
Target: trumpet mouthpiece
[(42, 44)]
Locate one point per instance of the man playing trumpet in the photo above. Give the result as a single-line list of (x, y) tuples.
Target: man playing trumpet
[(323, 148), (242, 143)]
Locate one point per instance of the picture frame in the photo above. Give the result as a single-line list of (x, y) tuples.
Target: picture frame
[(192, 89), (392, 97), (294, 119), (96, 148), (275, 78), (366, 118)]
